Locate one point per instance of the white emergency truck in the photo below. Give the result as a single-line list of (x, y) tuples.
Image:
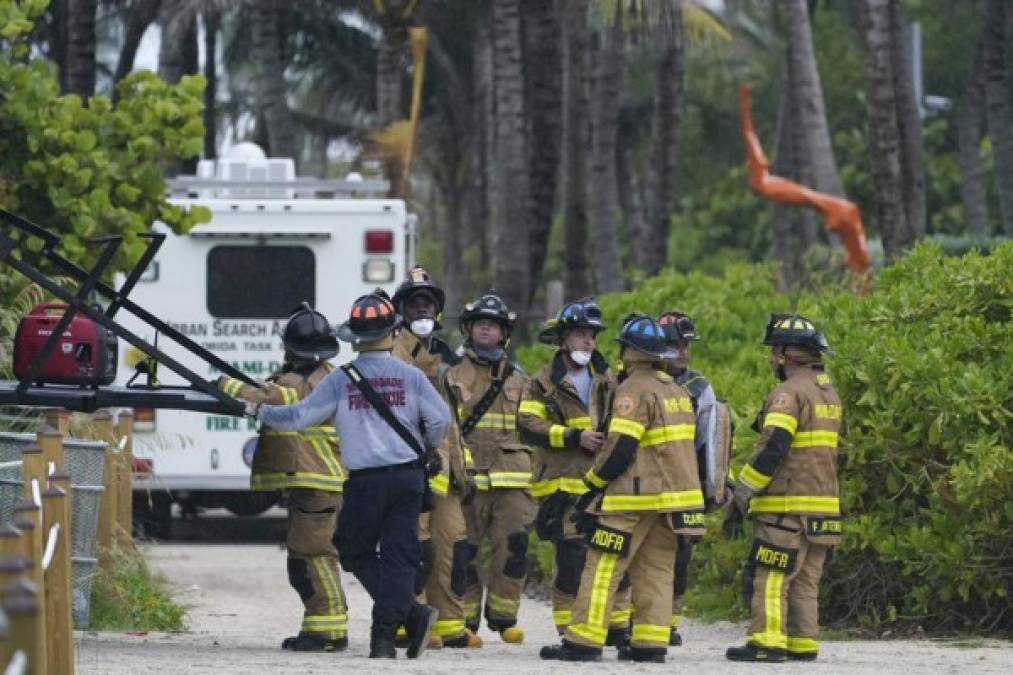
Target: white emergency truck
[(273, 241)]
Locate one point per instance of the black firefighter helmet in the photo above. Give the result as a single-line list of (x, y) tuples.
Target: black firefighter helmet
[(794, 330), (419, 281), (371, 318), (580, 314), (308, 335), (678, 327), (489, 306)]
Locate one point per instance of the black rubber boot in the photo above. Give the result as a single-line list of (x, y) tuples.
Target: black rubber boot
[(419, 626), (617, 637), (674, 639), (304, 642), (570, 652), (802, 656), (754, 653), (381, 643), (642, 654)]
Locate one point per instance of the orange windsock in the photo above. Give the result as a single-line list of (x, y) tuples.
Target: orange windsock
[(840, 216)]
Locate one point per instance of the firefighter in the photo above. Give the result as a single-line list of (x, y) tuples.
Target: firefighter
[(712, 440), (486, 388), (390, 420), (643, 491), (306, 468), (562, 417), (789, 490), (443, 532)]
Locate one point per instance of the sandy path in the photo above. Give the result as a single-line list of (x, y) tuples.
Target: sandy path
[(240, 607)]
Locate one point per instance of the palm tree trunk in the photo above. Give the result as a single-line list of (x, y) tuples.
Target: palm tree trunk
[(667, 115), (811, 112), (602, 197), (884, 136), (909, 125), (177, 52), (997, 96), (629, 189), (576, 280), (142, 14), (58, 39), (543, 69), (271, 88), (511, 208), (212, 22), (481, 189), (970, 116), (81, 47)]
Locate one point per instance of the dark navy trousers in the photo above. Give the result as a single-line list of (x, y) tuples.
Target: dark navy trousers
[(377, 537)]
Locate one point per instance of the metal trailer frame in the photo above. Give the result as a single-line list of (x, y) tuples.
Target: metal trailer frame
[(200, 396)]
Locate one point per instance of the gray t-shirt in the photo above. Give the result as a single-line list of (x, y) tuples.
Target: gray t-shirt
[(367, 441), (581, 381)]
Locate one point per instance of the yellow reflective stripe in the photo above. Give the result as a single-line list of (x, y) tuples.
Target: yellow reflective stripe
[(812, 439), (295, 479), (594, 630), (448, 627), (781, 421), (666, 434), (440, 484), (621, 617), (675, 621), (513, 479), (332, 593), (772, 609), (619, 425), (326, 455), (288, 395), (582, 423), (232, 387), (663, 500), (562, 617), (753, 478), (788, 504), (469, 459), (648, 633), (502, 605), (556, 436), (573, 486), (536, 408), (482, 481), (802, 645), (595, 480), (470, 609)]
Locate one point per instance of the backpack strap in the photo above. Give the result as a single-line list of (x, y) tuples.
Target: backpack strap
[(485, 402)]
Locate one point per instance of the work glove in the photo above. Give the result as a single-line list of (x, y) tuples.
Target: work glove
[(250, 408), (741, 497), (731, 528)]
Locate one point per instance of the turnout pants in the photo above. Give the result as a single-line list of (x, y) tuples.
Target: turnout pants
[(377, 538), (313, 561), (571, 553), (443, 536), (780, 585), (683, 555), (648, 561), (501, 515)]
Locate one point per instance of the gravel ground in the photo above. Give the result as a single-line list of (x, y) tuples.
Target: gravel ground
[(240, 607)]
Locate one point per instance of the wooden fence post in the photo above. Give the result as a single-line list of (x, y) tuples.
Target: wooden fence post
[(33, 465), (125, 496), (58, 419), (103, 431), (20, 599), (51, 443), (57, 598), (27, 519)]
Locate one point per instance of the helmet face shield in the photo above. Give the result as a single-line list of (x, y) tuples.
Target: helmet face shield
[(678, 327)]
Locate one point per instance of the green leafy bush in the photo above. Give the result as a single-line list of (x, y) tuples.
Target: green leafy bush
[(923, 366)]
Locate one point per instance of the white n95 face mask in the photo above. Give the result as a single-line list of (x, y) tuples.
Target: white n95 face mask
[(580, 358), (422, 327)]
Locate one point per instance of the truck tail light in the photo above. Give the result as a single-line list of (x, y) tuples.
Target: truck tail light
[(143, 466), (144, 419), (379, 241)]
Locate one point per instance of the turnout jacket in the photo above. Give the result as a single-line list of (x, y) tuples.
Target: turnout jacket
[(551, 417), (648, 462), (308, 458), (794, 467), (498, 457), (434, 358)]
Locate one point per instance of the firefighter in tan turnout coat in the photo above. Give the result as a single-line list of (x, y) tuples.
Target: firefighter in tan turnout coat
[(643, 491), (789, 489), (562, 416), (443, 531), (306, 467), (486, 388)]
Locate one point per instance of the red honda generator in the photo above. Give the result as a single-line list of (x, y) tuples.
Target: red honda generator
[(86, 354)]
